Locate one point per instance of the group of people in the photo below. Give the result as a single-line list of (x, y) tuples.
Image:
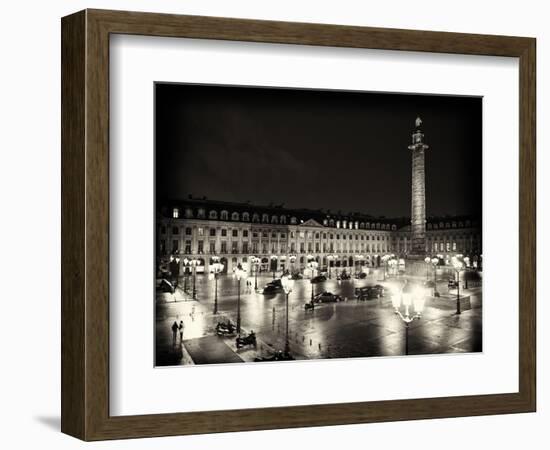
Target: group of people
[(175, 328)]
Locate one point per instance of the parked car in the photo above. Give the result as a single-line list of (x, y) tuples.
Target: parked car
[(369, 292), (273, 287), (319, 279), (277, 356), (343, 276), (164, 285), (326, 297), (453, 284)]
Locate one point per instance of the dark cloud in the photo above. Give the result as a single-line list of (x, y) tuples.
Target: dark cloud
[(317, 149)]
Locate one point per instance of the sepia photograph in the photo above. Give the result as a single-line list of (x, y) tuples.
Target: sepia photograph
[(303, 224)]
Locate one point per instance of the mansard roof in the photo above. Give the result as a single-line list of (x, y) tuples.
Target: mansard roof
[(321, 217)]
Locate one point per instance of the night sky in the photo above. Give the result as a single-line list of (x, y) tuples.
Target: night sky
[(343, 151)]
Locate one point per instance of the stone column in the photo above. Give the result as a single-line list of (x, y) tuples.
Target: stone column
[(418, 200)]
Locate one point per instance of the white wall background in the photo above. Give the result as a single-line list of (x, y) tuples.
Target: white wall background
[(30, 220)]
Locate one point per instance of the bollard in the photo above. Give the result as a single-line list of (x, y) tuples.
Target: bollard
[(310, 343), (319, 346)]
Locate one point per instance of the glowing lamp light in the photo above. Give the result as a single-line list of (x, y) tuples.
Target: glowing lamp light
[(240, 274), (418, 304), (288, 284), (396, 300)]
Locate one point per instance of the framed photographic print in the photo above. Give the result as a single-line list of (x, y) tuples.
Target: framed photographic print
[(271, 225)]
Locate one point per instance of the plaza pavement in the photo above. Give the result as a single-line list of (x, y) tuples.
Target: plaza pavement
[(347, 329)]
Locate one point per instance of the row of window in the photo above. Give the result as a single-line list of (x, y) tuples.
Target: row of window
[(255, 247), (245, 233), (452, 224), (274, 219), (443, 246)]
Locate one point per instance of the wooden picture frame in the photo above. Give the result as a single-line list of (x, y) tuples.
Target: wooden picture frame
[(85, 224)]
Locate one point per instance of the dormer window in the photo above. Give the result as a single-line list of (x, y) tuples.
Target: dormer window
[(224, 215), (235, 216), (255, 217), (201, 213), (282, 219), (293, 220), (246, 217), (265, 218), (175, 213), (188, 213), (213, 215)]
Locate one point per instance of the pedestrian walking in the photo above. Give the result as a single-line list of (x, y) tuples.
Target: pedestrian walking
[(181, 331), (174, 332)]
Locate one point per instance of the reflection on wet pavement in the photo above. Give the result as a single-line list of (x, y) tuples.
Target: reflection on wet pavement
[(351, 328)]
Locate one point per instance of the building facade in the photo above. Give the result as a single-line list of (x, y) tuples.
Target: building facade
[(286, 239)]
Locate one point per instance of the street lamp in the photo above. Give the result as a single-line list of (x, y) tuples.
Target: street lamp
[(274, 264), (177, 261), (330, 258), (217, 268), (288, 285), (409, 295), (428, 262), (194, 263), (240, 274), (435, 262), (466, 260), (312, 265), (185, 264), (255, 261), (458, 264), (385, 260), (359, 258)]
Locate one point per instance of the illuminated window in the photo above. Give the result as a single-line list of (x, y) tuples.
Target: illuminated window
[(175, 213)]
